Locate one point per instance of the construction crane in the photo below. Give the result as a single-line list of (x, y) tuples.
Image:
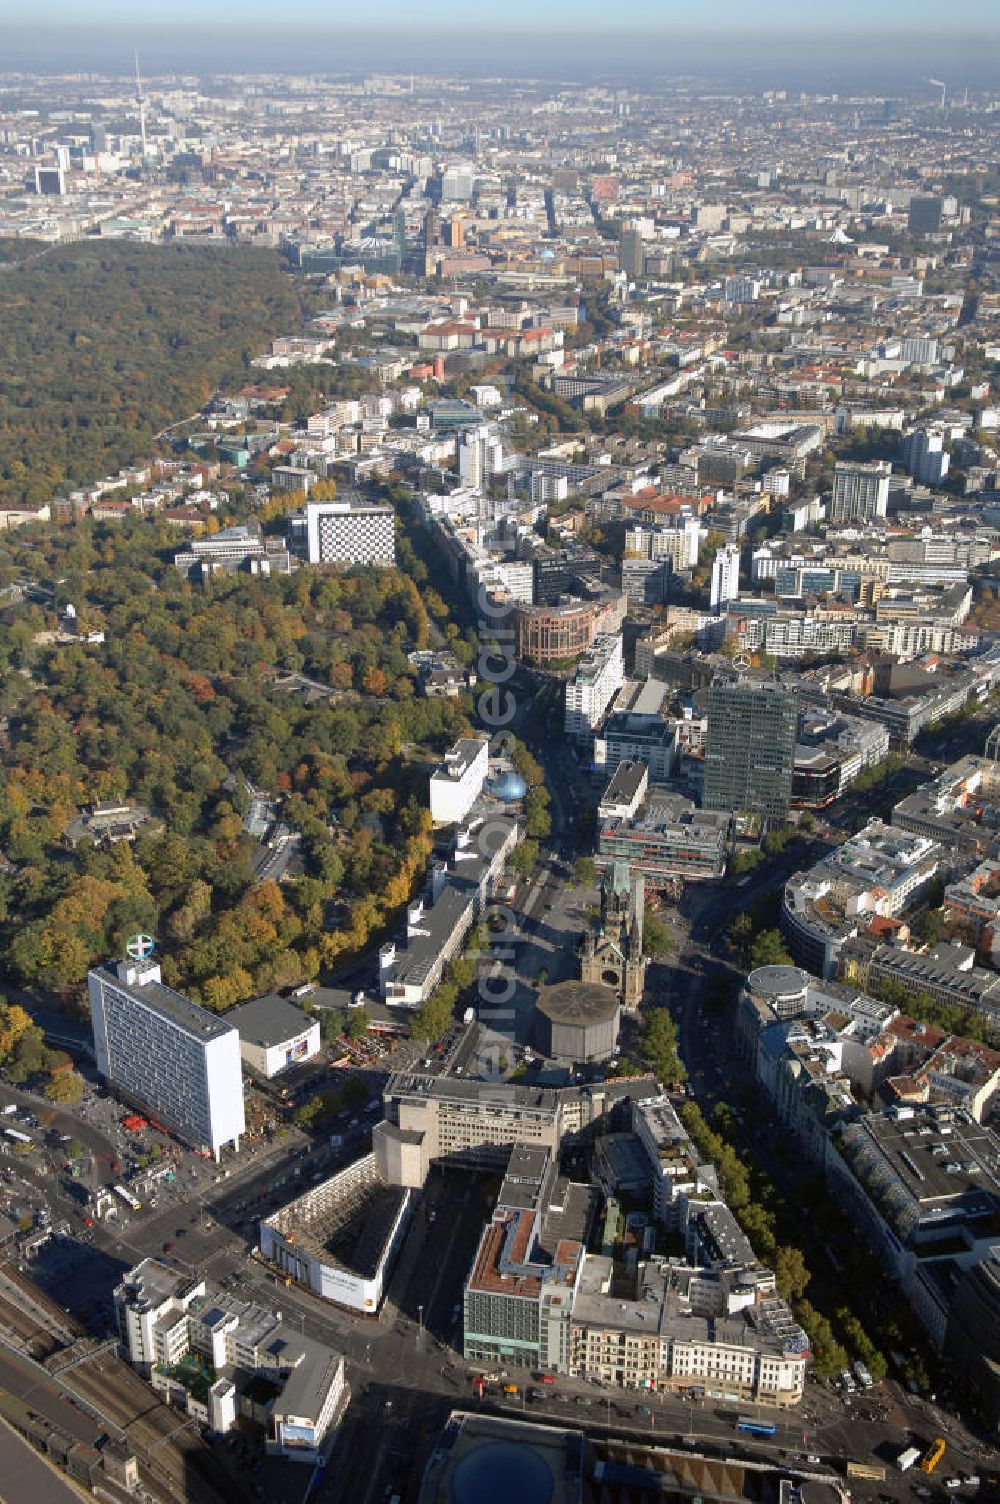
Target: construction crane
[(938, 84)]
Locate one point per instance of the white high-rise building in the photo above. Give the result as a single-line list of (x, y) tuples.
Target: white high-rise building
[(458, 782), (350, 532), (919, 349), (175, 1060), (457, 183), (518, 579), (679, 544), (742, 289), (599, 676), (545, 488), (922, 453), (480, 457), (860, 492), (725, 577)]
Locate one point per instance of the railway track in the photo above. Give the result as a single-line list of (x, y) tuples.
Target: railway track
[(50, 1318), (103, 1386), (164, 1440), (25, 1331)]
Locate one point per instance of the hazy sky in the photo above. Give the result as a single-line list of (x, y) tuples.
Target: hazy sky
[(958, 15), (879, 46)]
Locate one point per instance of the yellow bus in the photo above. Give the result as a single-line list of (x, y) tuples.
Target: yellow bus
[(932, 1456), (870, 1470)]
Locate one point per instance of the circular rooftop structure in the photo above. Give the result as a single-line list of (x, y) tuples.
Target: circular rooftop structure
[(501, 1471), (578, 1002), (578, 1021), (784, 987)]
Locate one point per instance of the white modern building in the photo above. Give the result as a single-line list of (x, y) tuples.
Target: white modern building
[(480, 457), (922, 453), (457, 183), (274, 1035), (877, 874), (458, 782), (725, 577), (176, 1061), (233, 549), (204, 1351), (350, 532), (437, 924), (860, 492), (679, 544), (599, 676), (742, 289)]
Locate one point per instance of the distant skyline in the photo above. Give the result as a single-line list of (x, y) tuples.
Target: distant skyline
[(778, 44)]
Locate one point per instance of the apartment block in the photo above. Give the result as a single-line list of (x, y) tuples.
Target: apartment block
[(922, 453), (859, 886), (860, 492), (458, 889), (637, 732), (458, 782), (214, 1355), (725, 585), (921, 1183), (598, 678)]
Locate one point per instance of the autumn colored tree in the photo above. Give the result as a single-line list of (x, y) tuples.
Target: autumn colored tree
[(14, 1024), (65, 1087)]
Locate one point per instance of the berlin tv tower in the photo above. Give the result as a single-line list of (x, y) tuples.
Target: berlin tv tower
[(140, 101)]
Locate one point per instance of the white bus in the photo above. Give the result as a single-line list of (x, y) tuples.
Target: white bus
[(129, 1200)]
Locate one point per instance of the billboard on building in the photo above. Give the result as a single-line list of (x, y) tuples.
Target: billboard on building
[(298, 1436)]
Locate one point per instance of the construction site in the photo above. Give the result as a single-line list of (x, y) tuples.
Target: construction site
[(339, 1238)]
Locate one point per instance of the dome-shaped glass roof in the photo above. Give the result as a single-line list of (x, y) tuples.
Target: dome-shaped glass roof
[(499, 1472), (510, 786)]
